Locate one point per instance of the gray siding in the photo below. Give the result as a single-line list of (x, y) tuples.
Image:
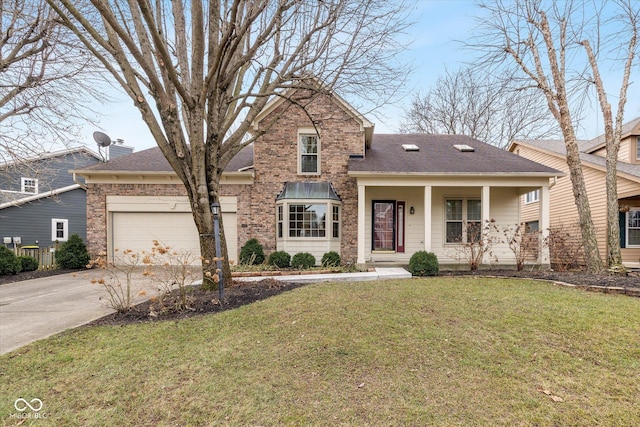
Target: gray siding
[(51, 173), (32, 221)]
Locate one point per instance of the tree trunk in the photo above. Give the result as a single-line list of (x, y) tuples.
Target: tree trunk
[(590, 243), (204, 221)]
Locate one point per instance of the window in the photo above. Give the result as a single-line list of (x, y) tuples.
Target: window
[(638, 148), (59, 230), (336, 221), (633, 227), (384, 225), (29, 185), (463, 220), (309, 154), (280, 221), (307, 220), (532, 196)]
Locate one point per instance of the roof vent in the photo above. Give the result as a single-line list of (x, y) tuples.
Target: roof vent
[(410, 147), (464, 148)]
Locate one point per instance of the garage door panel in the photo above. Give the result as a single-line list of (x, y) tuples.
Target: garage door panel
[(138, 230)]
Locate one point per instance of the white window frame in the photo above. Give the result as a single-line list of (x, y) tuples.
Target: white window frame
[(627, 228), (54, 229), (464, 220), (532, 196), (308, 132), (26, 183), (283, 208), (638, 148)]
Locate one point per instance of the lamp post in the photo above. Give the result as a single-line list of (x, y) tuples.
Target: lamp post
[(215, 210)]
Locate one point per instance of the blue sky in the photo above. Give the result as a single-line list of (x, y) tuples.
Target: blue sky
[(434, 47)]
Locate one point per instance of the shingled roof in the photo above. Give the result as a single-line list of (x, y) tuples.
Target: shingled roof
[(152, 160), (438, 155)]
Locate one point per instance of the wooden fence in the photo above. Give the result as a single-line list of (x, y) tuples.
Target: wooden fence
[(45, 256)]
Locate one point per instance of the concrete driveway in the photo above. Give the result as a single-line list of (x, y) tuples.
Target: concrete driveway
[(35, 309)]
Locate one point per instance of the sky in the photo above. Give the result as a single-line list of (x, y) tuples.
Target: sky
[(434, 47)]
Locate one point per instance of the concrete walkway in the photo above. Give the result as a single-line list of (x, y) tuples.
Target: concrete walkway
[(35, 309)]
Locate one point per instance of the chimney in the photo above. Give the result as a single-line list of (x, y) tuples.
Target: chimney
[(119, 150)]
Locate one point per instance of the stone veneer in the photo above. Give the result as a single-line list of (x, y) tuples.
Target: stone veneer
[(275, 161)]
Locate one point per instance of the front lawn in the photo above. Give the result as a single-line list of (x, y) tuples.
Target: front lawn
[(435, 351)]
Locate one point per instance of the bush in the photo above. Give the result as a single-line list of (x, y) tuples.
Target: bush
[(303, 260), (28, 263), (424, 263), (280, 259), (9, 262), (331, 259), (72, 254), (252, 253)]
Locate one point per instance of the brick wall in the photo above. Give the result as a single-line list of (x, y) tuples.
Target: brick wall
[(276, 162), (275, 156)]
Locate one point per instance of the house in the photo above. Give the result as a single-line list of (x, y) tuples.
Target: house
[(319, 180), (40, 201), (563, 211)]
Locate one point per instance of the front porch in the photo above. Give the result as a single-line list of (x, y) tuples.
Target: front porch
[(398, 217)]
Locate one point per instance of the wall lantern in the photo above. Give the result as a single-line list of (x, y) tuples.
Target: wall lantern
[(412, 210)]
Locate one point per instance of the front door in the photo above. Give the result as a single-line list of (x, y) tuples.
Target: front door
[(384, 225)]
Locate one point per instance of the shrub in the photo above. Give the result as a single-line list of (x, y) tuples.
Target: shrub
[(331, 259), (424, 263), (9, 262), (28, 263), (72, 254), (303, 260), (252, 253), (280, 259)]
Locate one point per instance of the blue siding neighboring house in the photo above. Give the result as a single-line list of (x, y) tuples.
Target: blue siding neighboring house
[(41, 203)]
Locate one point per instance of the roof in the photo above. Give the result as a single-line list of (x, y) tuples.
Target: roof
[(558, 147), (52, 154), (152, 160), (308, 190), (437, 155), (600, 141)]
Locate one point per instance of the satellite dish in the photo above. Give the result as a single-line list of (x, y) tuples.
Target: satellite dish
[(102, 139)]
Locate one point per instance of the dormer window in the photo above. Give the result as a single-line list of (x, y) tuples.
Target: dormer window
[(308, 153), (638, 148), (29, 185)]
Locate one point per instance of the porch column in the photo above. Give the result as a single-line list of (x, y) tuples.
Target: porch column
[(486, 216), (361, 221), (427, 218), (543, 226)]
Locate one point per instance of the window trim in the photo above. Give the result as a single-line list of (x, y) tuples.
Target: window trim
[(638, 148), (305, 132), (463, 221), (627, 228), (284, 207), (23, 185), (54, 229), (532, 197)]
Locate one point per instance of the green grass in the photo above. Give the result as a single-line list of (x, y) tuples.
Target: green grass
[(437, 351)]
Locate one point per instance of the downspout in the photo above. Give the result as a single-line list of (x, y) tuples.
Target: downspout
[(82, 185)]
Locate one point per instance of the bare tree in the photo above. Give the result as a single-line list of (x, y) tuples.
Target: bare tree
[(545, 41), (200, 72), (43, 69), (613, 130), (467, 102)]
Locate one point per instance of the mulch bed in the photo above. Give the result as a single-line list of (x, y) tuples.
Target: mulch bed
[(242, 293)]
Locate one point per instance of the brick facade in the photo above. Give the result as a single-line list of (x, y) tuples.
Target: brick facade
[(275, 162)]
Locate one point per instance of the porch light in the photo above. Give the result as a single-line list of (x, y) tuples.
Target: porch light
[(412, 210)]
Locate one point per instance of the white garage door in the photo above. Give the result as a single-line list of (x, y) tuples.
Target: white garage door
[(138, 230)]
